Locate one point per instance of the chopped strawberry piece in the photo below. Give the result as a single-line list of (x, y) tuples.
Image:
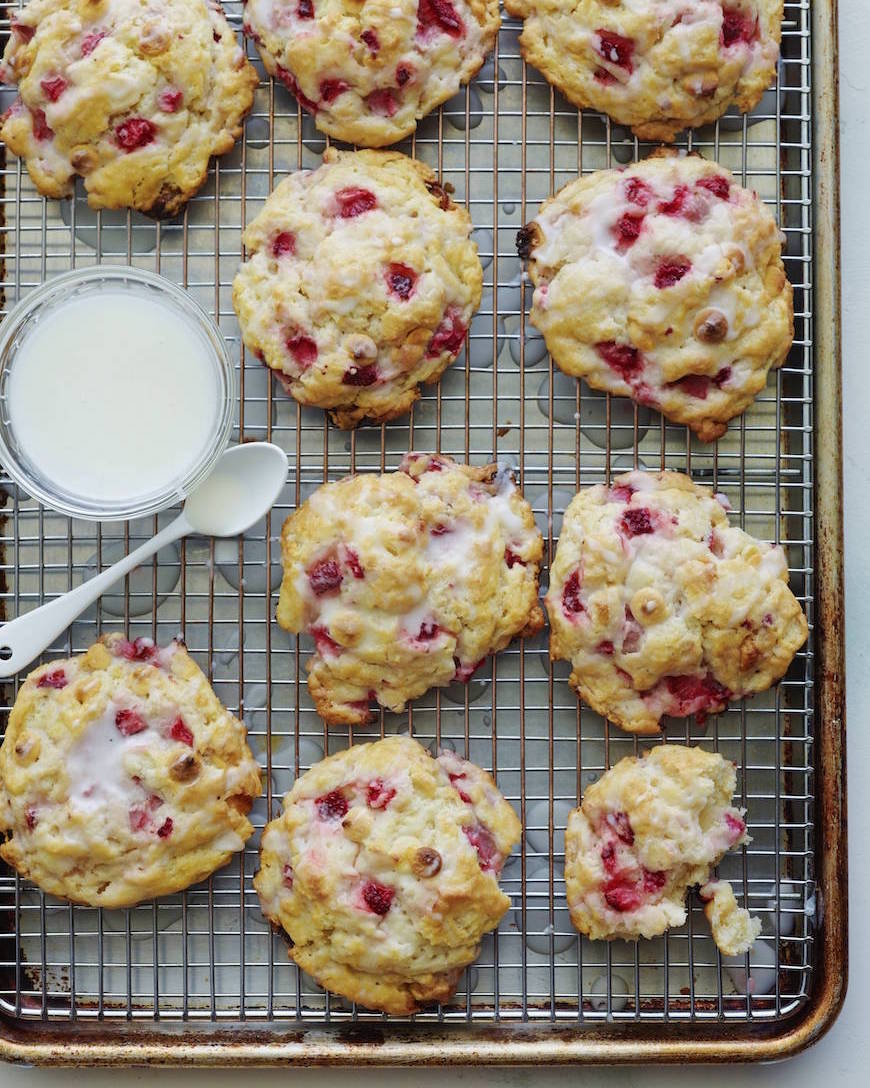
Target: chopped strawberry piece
[(165, 829), (30, 818), (735, 825), (608, 856), (463, 796), (55, 679), (603, 76), (448, 336), (623, 358), (325, 576), (292, 85), (637, 192), (140, 818), (330, 89), (331, 806), (284, 245), (134, 133), (621, 493), (485, 845), (428, 630), (605, 648), (378, 795), (620, 824), (572, 602), (24, 32), (383, 102), (303, 349), (670, 270), (675, 205), (654, 881), (693, 385), (352, 560), (441, 530), (41, 130), (325, 645), (371, 39), (180, 732), (616, 49), (92, 40), (441, 14), (142, 649), (53, 87), (715, 184), (465, 672), (722, 377), (378, 897), (636, 522), (404, 73), (621, 896), (401, 280), (354, 201), (512, 559), (698, 695), (305, 9), (626, 230), (737, 27), (360, 375), (169, 99), (287, 876), (129, 723)]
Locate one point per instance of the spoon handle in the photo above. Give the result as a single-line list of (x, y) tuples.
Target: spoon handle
[(24, 638)]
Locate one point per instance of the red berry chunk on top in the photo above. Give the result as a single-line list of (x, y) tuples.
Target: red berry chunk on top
[(404, 72), (636, 522), (693, 385), (325, 576), (383, 102), (696, 695), (378, 795), (303, 349), (330, 89), (284, 245), (441, 14), (621, 493), (360, 375), (616, 49), (371, 39), (305, 10), (715, 184), (463, 796), (331, 806), (654, 881), (139, 650), (165, 829), (670, 270), (41, 130), (290, 82), (448, 336), (353, 563), (485, 845), (53, 87), (169, 99), (464, 672), (735, 825), (512, 559), (378, 897), (620, 824), (572, 603), (637, 192), (134, 133), (621, 895), (626, 230), (623, 358), (353, 201), (738, 26), (325, 644), (55, 679), (129, 722), (24, 32), (605, 648), (180, 732), (401, 280), (92, 40)]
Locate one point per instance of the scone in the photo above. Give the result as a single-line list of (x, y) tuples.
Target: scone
[(383, 870), (368, 72), (134, 96), (122, 777), (408, 581), (662, 607), (663, 282), (360, 284), (657, 65), (647, 831)]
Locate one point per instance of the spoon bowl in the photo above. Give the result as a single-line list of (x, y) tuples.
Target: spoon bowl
[(243, 487)]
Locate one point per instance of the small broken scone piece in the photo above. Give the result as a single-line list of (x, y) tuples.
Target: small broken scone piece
[(645, 833)]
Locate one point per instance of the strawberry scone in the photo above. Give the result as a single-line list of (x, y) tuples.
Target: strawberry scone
[(122, 777), (663, 282), (383, 870), (662, 607), (360, 283), (657, 65), (647, 831), (134, 96), (368, 72), (408, 581)]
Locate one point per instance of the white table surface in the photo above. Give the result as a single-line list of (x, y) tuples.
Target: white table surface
[(843, 1055)]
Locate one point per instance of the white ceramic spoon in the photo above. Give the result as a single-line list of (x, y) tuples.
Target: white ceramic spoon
[(243, 487)]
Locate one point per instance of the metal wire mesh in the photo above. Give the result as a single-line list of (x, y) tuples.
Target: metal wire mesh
[(505, 143)]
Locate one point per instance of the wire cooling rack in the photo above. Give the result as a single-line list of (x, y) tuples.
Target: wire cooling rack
[(206, 955)]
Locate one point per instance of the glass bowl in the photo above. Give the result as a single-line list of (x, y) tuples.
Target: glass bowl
[(80, 283)]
